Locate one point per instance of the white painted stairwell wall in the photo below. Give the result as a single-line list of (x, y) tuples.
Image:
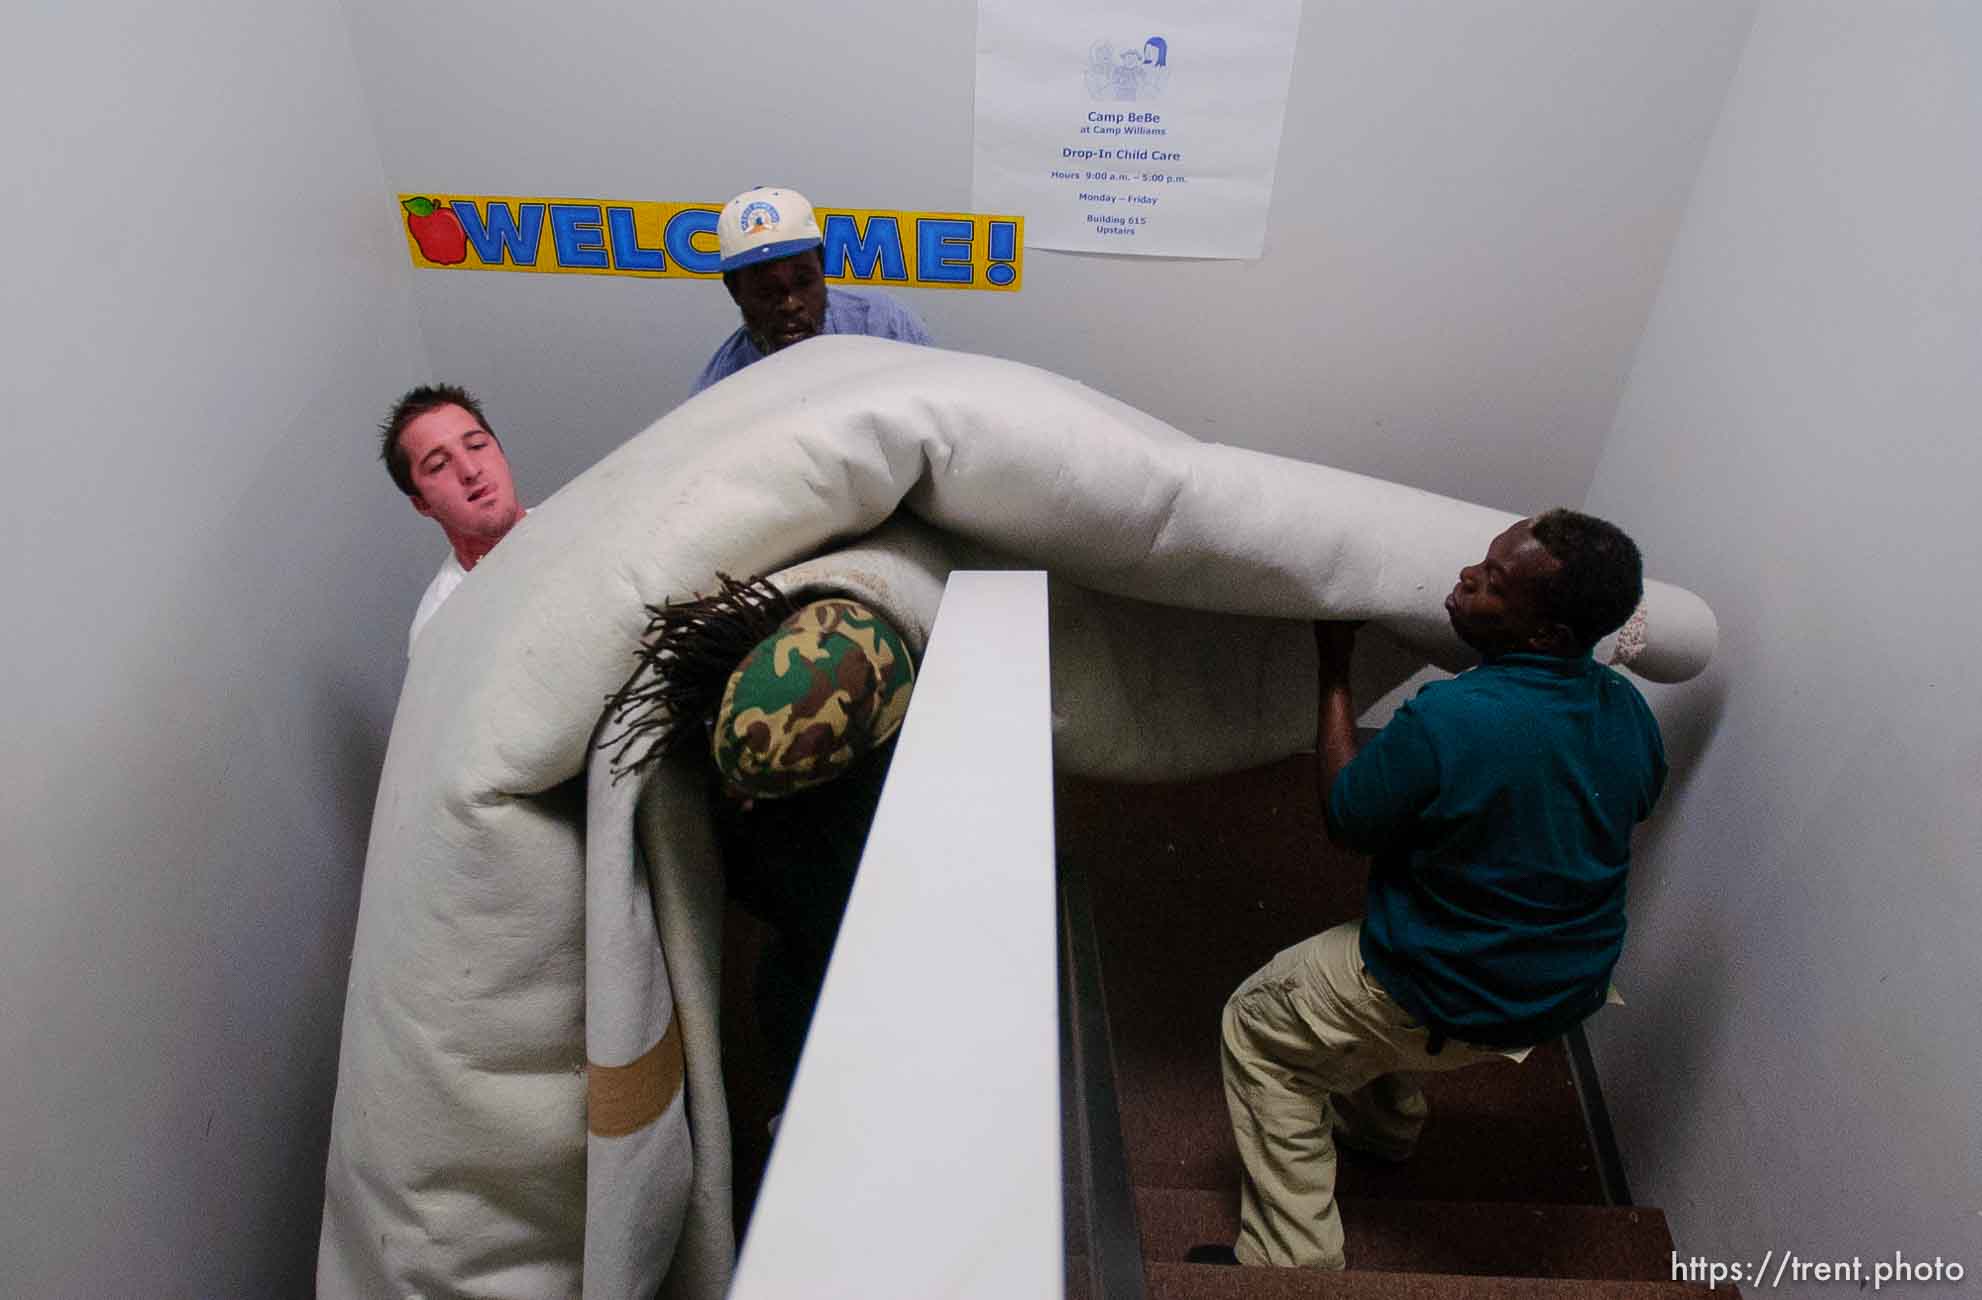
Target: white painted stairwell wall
[(1798, 442), (207, 578)]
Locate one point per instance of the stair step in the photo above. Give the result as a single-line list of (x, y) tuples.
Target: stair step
[(1473, 1238), (1211, 1282)]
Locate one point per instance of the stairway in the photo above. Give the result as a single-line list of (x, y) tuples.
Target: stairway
[(1191, 888)]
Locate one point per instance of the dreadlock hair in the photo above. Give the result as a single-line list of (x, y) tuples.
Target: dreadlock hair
[(686, 657), (1602, 577), (416, 403)]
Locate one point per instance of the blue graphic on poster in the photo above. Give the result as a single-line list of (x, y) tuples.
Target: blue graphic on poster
[(1129, 73)]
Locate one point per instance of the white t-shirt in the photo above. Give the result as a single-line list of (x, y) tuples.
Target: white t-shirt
[(450, 576)]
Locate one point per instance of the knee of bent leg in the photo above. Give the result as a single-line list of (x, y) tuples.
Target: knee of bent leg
[(1234, 1032)]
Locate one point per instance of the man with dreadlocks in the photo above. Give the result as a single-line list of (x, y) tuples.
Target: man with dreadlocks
[(796, 706)]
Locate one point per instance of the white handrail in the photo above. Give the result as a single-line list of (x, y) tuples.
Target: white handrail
[(919, 1155)]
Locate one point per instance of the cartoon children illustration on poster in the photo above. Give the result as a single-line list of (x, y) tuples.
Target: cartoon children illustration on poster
[(1131, 73)]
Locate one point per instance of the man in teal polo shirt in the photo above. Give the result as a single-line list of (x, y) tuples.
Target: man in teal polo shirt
[(1497, 811)]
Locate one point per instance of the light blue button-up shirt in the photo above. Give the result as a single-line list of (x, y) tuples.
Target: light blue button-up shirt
[(848, 311)]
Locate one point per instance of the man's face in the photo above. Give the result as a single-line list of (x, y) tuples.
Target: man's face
[(1496, 605), (783, 301), (460, 476)]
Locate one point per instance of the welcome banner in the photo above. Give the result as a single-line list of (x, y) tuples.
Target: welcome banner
[(931, 250)]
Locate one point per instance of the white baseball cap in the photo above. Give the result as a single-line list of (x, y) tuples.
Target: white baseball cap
[(764, 224)]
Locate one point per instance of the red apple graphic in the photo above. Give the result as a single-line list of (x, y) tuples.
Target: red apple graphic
[(437, 231)]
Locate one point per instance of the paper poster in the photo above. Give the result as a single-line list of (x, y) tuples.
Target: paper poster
[(926, 250), (1120, 127)]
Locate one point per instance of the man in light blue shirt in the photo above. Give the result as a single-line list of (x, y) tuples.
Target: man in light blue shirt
[(773, 265)]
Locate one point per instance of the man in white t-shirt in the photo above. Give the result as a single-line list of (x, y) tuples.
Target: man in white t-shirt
[(439, 449)]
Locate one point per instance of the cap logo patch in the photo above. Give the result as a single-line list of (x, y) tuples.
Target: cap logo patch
[(758, 216)]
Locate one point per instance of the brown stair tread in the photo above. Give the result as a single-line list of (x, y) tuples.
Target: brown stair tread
[(1473, 1238), (1211, 1282)]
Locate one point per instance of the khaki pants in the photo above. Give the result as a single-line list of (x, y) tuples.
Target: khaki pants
[(1313, 1046)]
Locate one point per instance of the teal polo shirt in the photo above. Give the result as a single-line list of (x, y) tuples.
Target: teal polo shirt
[(1497, 809)]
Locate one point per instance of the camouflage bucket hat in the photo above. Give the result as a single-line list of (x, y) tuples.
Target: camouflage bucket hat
[(831, 684)]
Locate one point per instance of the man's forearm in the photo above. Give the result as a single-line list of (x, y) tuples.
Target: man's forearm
[(1335, 725), (1335, 734)]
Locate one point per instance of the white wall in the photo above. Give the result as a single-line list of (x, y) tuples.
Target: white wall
[(1472, 208), (1798, 443), (207, 581)]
